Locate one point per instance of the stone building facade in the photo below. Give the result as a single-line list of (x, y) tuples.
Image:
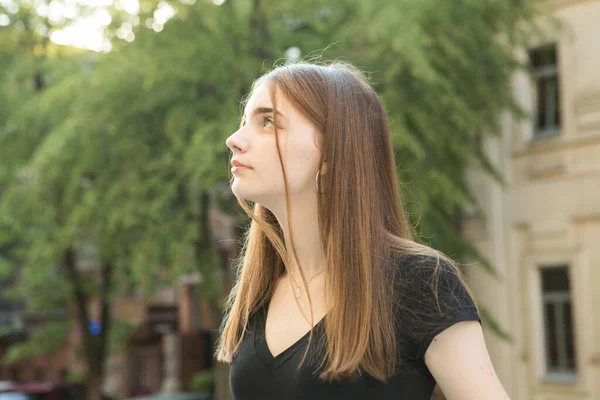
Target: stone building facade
[(542, 230)]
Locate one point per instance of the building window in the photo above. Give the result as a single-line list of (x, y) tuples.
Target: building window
[(558, 323), (547, 114)]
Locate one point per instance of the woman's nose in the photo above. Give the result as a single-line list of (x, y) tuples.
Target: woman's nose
[(236, 143)]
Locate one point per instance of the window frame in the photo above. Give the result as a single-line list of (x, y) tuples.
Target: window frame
[(552, 102), (557, 298)]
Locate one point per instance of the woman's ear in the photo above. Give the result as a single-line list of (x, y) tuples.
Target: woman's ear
[(324, 168)]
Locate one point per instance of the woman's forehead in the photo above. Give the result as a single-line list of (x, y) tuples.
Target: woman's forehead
[(261, 98)]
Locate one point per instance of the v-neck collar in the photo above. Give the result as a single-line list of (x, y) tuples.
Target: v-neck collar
[(262, 349)]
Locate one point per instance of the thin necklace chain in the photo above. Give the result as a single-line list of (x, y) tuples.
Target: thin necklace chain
[(297, 290)]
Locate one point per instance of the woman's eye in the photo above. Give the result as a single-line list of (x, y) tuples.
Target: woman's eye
[(267, 120)]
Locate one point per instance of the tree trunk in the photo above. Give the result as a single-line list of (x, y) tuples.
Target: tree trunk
[(102, 348), (81, 312), (94, 347), (94, 386)]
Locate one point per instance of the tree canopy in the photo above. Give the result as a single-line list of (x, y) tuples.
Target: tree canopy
[(125, 149)]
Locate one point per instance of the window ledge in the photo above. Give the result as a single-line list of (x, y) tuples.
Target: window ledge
[(560, 377), (545, 134)]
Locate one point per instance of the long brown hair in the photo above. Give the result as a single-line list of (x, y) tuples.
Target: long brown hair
[(362, 224)]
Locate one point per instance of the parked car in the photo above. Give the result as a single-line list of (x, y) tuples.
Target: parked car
[(35, 391), (179, 396)]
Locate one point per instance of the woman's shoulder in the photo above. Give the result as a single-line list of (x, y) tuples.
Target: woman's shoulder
[(432, 294), (419, 269), (428, 279), (422, 263)]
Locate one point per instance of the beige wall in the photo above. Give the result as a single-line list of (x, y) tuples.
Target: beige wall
[(549, 213)]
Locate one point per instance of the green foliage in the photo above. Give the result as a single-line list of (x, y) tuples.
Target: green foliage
[(45, 340), (16, 327), (118, 150), (120, 332), (6, 268), (75, 377), (203, 381)]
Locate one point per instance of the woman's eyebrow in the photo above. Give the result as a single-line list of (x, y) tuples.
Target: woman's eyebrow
[(265, 110)]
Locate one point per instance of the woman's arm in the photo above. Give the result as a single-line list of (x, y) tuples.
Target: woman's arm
[(459, 361)]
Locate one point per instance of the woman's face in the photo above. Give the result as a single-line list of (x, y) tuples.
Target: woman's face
[(254, 145)]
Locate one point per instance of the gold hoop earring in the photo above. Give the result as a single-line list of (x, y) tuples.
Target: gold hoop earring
[(317, 182)]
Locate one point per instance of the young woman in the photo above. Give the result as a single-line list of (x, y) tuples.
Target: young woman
[(334, 298)]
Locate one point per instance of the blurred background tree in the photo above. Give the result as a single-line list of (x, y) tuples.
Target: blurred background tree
[(126, 150)]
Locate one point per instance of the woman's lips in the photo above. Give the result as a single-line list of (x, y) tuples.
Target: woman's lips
[(237, 168)]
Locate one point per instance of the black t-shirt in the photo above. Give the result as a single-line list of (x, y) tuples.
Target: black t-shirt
[(256, 374)]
